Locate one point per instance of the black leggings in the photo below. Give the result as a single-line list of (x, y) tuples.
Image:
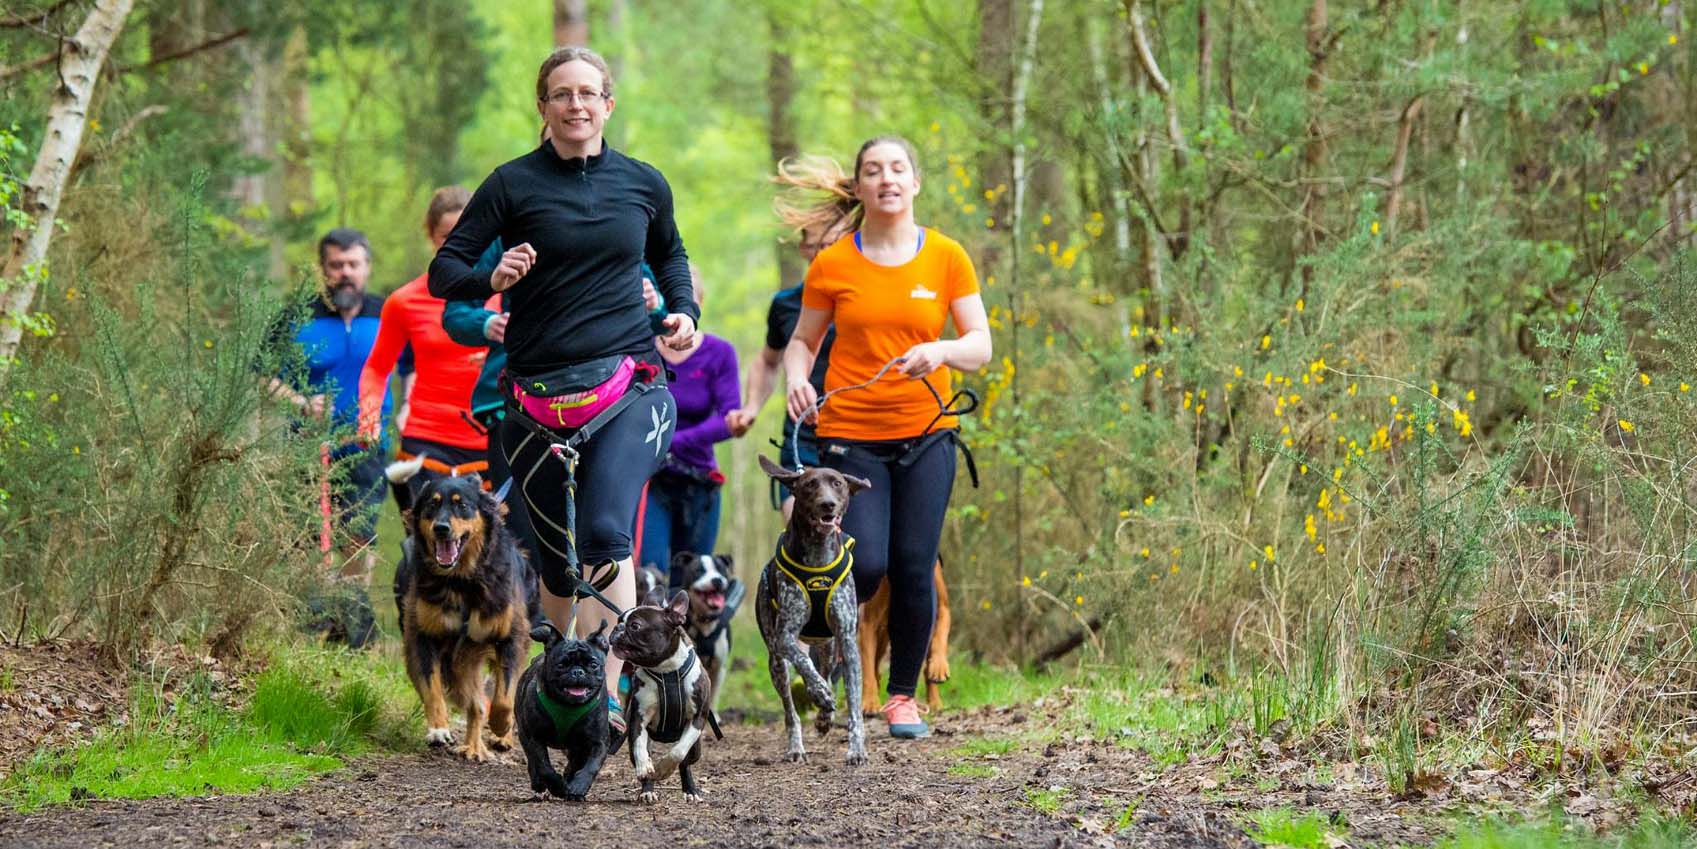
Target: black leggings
[(612, 468), (897, 526)]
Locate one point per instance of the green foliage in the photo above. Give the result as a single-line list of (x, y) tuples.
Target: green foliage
[(1046, 800), (1650, 832), (1285, 827), (307, 713)]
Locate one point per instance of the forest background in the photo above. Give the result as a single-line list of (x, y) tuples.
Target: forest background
[(1346, 346)]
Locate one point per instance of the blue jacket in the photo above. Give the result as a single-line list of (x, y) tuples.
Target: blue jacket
[(334, 355), (464, 322)]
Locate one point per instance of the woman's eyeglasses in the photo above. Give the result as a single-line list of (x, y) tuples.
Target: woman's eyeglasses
[(568, 98)]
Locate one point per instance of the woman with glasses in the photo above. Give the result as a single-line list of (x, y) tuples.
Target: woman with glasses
[(889, 288), (581, 218)]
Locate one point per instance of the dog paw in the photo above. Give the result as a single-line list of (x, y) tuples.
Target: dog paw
[(795, 757), (870, 708), (474, 753), (695, 797), (503, 743), (437, 737), (823, 698), (822, 722), (648, 797), (856, 757), (645, 772), (937, 670)]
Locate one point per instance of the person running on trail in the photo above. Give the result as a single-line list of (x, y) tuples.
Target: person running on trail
[(336, 338), (762, 377), (888, 290), (437, 429), (484, 324), (581, 218), (682, 508)]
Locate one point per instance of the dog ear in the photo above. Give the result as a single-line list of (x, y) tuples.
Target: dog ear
[(857, 484), (599, 639), (678, 610), (546, 634), (726, 564), (777, 471), (656, 597)]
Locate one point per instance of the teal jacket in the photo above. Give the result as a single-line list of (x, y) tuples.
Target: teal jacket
[(464, 321)]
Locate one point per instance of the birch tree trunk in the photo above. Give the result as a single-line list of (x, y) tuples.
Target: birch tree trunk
[(79, 66)]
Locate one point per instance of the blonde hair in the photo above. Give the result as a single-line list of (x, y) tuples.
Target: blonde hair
[(819, 196)]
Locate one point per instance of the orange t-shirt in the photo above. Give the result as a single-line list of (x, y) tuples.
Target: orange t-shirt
[(447, 370), (880, 312)]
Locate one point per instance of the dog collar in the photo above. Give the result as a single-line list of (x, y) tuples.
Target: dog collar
[(566, 717)]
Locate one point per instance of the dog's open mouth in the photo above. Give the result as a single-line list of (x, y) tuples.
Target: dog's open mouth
[(828, 524), (713, 599), (577, 692), (448, 550)]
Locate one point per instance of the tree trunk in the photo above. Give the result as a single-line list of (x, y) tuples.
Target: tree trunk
[(79, 67), (260, 195), (297, 129), (1178, 240), (1314, 151), (1112, 173), (1021, 85), (1399, 161), (995, 69), (571, 23), (780, 123)]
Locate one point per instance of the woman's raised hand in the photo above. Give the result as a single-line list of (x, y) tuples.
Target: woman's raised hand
[(515, 264)]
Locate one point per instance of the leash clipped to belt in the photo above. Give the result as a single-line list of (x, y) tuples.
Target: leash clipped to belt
[(566, 451), (962, 402)]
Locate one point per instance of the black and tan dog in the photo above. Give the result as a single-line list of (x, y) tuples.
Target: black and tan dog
[(806, 596), (670, 692), (461, 587)]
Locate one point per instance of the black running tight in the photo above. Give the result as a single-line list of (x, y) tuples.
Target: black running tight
[(615, 463), (897, 526)]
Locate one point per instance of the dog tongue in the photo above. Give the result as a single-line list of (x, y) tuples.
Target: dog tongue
[(577, 692), (447, 551), (715, 600)]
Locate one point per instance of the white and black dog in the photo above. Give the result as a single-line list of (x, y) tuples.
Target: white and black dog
[(714, 595)]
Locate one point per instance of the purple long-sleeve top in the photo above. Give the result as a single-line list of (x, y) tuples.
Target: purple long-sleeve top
[(705, 389)]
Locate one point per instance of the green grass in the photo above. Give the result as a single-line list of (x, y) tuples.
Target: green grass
[(311, 709), (971, 770), (981, 746), (1651, 832), (1285, 827), (1046, 800)]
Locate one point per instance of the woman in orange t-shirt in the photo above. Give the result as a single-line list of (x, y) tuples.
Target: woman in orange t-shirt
[(436, 423), (889, 288)]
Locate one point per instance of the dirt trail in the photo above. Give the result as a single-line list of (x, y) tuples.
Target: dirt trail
[(1098, 795)]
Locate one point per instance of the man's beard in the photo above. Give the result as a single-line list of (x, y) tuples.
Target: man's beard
[(345, 297)]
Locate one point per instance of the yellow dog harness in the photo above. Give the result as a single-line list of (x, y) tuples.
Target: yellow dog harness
[(819, 582)]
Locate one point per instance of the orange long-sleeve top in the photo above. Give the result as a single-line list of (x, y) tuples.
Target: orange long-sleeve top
[(447, 371)]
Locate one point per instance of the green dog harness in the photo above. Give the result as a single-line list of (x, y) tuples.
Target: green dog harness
[(566, 717), (819, 582)]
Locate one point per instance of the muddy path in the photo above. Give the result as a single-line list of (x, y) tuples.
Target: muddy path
[(933, 793), (979, 781)]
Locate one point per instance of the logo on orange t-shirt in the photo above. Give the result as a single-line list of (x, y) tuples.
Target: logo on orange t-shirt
[(921, 293)]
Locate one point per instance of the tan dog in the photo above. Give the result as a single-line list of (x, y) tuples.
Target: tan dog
[(875, 644)]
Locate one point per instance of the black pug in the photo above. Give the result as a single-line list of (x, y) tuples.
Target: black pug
[(562, 704)]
